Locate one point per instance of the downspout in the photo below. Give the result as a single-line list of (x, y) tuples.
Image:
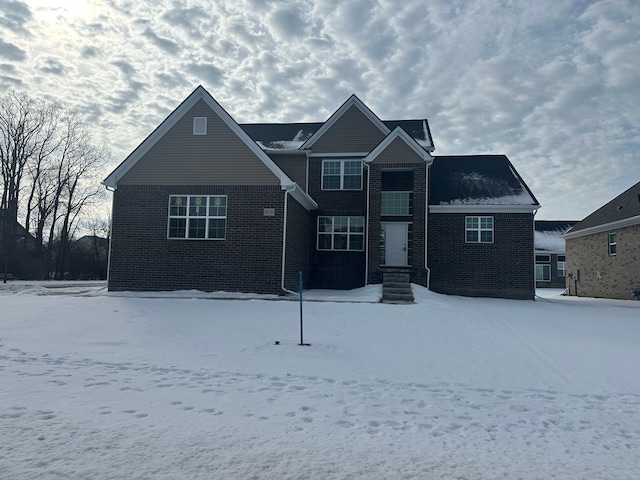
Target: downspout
[(366, 246), (113, 191), (535, 210), (287, 191), (426, 222)]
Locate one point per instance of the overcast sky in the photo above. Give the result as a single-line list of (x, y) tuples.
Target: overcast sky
[(553, 84)]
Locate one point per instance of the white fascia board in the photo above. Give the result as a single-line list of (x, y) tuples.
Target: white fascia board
[(302, 197), (627, 222), (351, 101), (399, 132), (475, 209), (198, 94)]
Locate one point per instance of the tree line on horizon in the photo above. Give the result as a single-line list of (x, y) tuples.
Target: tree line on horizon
[(49, 183)]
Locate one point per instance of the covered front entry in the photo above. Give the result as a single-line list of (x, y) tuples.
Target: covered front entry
[(395, 243)]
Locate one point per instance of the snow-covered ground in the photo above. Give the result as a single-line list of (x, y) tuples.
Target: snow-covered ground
[(95, 385)]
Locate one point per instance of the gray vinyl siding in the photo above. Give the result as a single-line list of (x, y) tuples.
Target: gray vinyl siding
[(218, 158), (294, 166), (352, 132), (398, 152)]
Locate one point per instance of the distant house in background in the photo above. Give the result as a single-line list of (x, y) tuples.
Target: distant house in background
[(205, 203), (603, 250), (550, 252), (24, 240)]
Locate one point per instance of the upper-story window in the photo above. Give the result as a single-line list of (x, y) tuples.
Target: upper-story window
[(479, 229), (396, 203), (612, 244), (342, 175)]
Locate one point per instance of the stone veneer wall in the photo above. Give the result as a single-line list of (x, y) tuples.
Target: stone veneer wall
[(603, 275), (248, 260)]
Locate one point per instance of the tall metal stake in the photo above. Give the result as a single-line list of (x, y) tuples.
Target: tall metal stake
[(301, 335)]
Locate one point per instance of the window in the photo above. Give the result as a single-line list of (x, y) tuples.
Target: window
[(397, 203), (562, 266), (192, 216), (342, 175), (543, 273), (199, 125), (543, 258), (341, 233), (612, 244), (479, 229)]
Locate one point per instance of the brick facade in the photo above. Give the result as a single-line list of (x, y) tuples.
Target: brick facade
[(248, 260), (417, 220), (503, 269), (297, 255), (334, 269), (592, 272)]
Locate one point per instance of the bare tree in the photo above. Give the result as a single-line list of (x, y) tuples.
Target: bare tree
[(48, 171)]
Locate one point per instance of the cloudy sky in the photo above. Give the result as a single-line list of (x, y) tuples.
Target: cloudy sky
[(553, 84)]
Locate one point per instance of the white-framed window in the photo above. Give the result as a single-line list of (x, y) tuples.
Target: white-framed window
[(341, 233), (342, 175), (543, 272), (199, 125), (396, 203), (613, 248), (479, 229), (562, 266), (197, 217)]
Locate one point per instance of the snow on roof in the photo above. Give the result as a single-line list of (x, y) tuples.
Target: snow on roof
[(477, 180), (550, 241), (523, 198), (291, 136)]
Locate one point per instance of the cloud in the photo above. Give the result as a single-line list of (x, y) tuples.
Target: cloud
[(15, 15), (206, 74), (164, 44), (11, 51), (89, 52), (187, 19), (52, 66)]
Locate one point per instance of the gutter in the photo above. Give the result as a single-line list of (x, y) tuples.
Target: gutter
[(426, 223)]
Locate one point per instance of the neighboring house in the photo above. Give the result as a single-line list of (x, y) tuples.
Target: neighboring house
[(24, 240), (603, 250), (550, 252), (205, 203)]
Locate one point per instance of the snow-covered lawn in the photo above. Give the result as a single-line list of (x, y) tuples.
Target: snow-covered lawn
[(101, 386)]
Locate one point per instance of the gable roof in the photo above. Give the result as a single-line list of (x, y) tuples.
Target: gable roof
[(478, 182), (399, 132), (622, 211), (352, 101), (201, 94), (290, 136)]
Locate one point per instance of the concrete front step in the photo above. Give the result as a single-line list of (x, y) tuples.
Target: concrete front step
[(396, 287)]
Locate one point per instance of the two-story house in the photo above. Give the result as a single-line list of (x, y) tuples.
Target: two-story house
[(205, 203)]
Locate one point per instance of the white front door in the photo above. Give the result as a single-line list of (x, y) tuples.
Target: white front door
[(395, 245)]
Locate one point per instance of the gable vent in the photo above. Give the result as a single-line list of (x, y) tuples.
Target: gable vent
[(199, 125)]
